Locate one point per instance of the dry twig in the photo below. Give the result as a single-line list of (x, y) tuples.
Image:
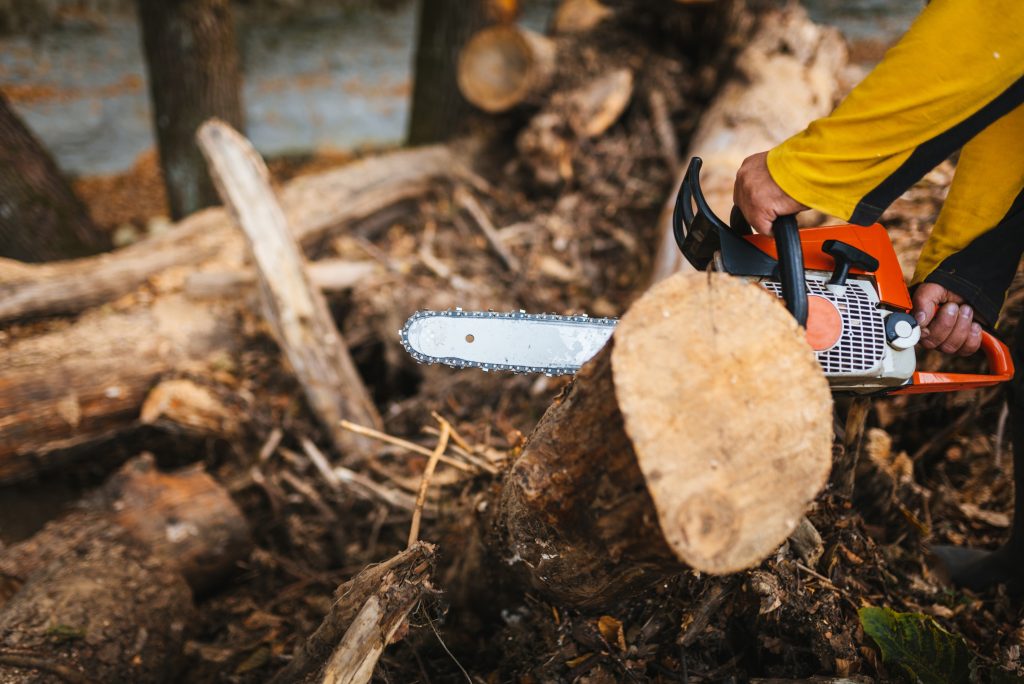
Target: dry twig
[(428, 472), (407, 445)]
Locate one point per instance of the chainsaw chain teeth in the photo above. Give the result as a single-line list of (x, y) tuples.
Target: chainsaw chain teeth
[(487, 367)]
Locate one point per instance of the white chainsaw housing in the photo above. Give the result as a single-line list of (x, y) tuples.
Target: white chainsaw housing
[(862, 360)]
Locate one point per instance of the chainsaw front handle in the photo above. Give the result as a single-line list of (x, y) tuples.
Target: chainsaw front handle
[(791, 266), (1000, 365), (699, 233)]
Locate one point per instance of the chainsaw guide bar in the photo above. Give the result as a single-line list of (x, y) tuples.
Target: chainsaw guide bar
[(515, 341)]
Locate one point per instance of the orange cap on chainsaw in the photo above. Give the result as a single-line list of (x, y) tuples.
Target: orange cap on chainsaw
[(824, 324)]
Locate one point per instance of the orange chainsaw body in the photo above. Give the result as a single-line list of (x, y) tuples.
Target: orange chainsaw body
[(842, 283), (893, 293)]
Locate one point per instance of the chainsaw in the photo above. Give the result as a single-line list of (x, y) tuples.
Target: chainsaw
[(842, 283)]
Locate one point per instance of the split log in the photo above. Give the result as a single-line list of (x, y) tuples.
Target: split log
[(367, 612), (696, 438), (297, 312), (786, 75), (105, 594), (504, 66)]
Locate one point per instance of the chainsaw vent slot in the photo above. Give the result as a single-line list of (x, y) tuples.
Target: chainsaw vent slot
[(861, 345)]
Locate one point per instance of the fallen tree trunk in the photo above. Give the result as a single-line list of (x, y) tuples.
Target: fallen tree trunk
[(104, 594), (315, 205), (697, 438), (786, 76), (88, 380), (82, 382)]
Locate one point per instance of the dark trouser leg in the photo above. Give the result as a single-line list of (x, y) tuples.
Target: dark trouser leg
[(977, 569)]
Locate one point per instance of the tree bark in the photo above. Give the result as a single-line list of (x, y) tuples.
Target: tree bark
[(688, 442), (40, 217), (194, 75), (104, 593), (438, 109), (73, 385)]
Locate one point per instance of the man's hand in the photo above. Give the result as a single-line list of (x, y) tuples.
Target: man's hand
[(759, 197), (947, 323)]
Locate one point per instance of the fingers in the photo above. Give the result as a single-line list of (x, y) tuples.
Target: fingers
[(941, 325), (953, 330), (960, 332), (927, 298), (973, 342), (759, 197)]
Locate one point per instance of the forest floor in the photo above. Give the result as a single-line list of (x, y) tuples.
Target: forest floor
[(935, 468)]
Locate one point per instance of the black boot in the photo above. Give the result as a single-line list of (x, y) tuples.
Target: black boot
[(979, 570)]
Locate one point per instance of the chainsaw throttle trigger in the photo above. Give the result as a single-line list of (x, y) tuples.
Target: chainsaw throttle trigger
[(847, 256)]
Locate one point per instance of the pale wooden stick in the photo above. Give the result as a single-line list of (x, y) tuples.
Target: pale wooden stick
[(469, 203), (295, 310), (321, 464), (428, 472), (409, 446)]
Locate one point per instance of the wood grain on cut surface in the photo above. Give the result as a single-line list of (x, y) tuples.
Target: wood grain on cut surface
[(733, 434)]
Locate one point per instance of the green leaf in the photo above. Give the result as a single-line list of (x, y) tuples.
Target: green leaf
[(917, 646)]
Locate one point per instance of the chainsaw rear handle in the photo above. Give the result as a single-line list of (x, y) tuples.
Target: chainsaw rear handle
[(1000, 367), (685, 221)]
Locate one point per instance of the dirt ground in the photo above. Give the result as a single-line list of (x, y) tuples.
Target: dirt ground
[(933, 469)]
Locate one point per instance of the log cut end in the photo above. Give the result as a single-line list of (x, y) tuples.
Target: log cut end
[(729, 414), (503, 65)]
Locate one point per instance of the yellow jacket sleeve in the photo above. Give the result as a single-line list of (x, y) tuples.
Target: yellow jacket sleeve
[(959, 68)]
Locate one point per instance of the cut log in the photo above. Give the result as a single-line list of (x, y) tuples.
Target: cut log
[(368, 609), (79, 383), (316, 206), (104, 593), (697, 439), (505, 65), (296, 311), (786, 76)]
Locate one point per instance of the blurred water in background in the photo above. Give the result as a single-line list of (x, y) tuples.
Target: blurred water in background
[(337, 80)]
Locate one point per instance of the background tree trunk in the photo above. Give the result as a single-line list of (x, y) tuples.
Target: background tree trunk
[(193, 76), (40, 217), (438, 109)]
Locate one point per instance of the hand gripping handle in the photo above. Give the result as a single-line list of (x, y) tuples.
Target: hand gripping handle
[(1000, 366)]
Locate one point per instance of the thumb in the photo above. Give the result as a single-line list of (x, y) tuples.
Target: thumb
[(926, 302)]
